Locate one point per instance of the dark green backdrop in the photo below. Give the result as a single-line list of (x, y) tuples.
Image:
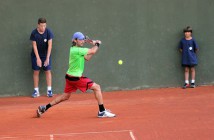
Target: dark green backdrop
[(142, 33)]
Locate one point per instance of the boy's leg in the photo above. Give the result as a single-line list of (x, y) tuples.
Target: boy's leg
[(36, 83), (36, 78), (48, 78), (36, 71), (49, 83), (47, 70)]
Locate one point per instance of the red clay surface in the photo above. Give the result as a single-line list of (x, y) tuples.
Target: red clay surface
[(151, 114)]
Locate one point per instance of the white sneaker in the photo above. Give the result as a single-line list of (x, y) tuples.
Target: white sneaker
[(49, 93), (35, 94), (106, 113)]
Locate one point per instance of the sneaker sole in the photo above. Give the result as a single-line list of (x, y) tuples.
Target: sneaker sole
[(38, 114), (35, 96), (106, 116), (186, 87), (50, 96)]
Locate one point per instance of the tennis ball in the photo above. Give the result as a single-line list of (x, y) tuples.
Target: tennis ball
[(120, 62)]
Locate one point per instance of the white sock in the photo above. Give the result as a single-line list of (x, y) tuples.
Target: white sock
[(49, 88), (187, 81), (193, 81), (36, 89)]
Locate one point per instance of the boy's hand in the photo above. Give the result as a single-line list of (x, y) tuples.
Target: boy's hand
[(39, 62), (46, 63)]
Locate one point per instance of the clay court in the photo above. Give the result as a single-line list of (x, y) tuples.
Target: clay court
[(151, 114)]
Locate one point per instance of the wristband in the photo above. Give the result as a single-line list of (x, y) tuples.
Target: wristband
[(97, 44)]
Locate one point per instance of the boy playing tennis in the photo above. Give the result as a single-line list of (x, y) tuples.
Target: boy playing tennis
[(188, 47), (74, 78)]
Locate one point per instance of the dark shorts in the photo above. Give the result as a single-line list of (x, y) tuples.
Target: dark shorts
[(74, 83), (189, 66), (34, 64)]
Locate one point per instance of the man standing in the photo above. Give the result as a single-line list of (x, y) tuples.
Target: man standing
[(41, 38)]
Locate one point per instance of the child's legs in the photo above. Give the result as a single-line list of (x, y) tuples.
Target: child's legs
[(36, 70), (48, 78), (186, 73), (97, 92), (192, 73), (36, 78), (47, 70)]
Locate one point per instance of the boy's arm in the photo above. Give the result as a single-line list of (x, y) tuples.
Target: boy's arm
[(49, 48), (46, 63), (38, 60)]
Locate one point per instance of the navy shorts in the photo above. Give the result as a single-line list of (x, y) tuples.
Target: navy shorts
[(34, 64), (190, 66)]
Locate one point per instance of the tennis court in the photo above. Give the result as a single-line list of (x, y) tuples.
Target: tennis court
[(150, 114)]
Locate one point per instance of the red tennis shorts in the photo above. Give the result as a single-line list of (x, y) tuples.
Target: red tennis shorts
[(74, 83)]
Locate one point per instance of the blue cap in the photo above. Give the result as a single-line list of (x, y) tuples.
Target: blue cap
[(78, 35)]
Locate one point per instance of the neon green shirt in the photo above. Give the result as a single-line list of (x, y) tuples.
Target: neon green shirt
[(77, 61)]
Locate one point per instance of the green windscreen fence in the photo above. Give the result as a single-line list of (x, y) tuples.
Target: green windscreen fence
[(144, 34)]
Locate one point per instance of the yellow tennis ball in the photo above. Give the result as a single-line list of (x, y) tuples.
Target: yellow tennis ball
[(120, 62)]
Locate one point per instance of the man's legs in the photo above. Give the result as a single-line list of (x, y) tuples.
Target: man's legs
[(98, 96), (61, 98), (57, 100), (97, 93), (68, 88)]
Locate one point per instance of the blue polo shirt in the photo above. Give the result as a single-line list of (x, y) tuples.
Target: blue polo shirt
[(188, 51), (41, 41)]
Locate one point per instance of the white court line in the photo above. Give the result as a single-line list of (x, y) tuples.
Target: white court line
[(98, 132), (132, 135), (51, 137), (83, 133), (7, 138)]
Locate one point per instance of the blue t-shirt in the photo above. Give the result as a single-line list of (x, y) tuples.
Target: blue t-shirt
[(188, 51), (41, 41)]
